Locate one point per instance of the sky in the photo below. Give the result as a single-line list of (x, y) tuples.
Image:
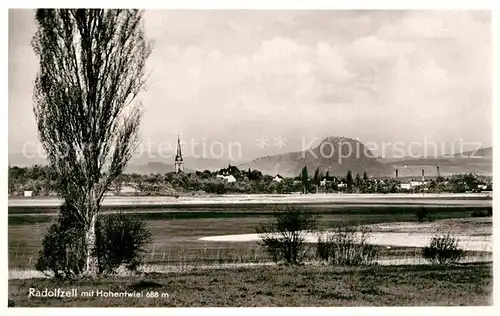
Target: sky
[(276, 81)]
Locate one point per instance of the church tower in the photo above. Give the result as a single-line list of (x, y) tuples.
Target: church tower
[(179, 162)]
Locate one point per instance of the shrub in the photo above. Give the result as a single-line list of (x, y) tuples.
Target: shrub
[(346, 246), (63, 248), (323, 248), (421, 214), (478, 213), (443, 250), (120, 239), (284, 239)]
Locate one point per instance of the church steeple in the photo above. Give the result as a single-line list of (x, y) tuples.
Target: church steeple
[(179, 162)]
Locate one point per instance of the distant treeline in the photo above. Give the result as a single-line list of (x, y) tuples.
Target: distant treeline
[(41, 181)]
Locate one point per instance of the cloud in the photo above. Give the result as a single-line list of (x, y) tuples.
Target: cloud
[(401, 72), (372, 74)]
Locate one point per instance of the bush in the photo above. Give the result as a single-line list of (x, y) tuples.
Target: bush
[(421, 214), (63, 248), (443, 250), (346, 246), (120, 239), (284, 239), (487, 213)]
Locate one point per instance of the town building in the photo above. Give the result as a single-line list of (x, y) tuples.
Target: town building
[(278, 178), (405, 186), (230, 170), (416, 183), (412, 184), (127, 190), (179, 161), (323, 182), (229, 178)]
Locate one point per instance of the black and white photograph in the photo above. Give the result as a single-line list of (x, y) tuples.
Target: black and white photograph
[(249, 158)]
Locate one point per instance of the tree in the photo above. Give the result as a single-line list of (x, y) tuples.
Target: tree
[(255, 175), (285, 239), (304, 178), (320, 177), (121, 239), (206, 174), (36, 172), (365, 176), (443, 249), (421, 213), (346, 245), (17, 172), (316, 179), (47, 185), (461, 183), (358, 179), (91, 69), (118, 183), (12, 186), (348, 179)]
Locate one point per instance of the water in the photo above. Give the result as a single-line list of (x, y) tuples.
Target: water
[(468, 243)]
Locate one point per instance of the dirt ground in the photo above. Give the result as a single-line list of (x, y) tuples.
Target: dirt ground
[(474, 226)]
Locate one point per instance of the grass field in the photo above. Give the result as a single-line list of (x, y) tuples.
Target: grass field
[(175, 232), (310, 285)]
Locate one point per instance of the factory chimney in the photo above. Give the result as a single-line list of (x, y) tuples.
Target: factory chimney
[(396, 173), (423, 175), (439, 175)]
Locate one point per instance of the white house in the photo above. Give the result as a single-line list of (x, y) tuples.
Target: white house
[(278, 178), (28, 193), (230, 178), (323, 182), (342, 185), (126, 189), (406, 186), (416, 183)]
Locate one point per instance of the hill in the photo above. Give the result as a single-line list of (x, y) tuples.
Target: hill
[(476, 161), (152, 167), (191, 164), (481, 153), (347, 154), (140, 165), (337, 155)]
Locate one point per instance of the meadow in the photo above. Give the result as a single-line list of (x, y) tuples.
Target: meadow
[(310, 285)]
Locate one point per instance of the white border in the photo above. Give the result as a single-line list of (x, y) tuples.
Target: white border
[(496, 148), (271, 4)]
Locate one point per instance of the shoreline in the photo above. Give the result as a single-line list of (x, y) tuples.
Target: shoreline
[(450, 199)]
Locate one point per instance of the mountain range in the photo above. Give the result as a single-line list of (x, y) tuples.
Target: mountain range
[(337, 155)]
